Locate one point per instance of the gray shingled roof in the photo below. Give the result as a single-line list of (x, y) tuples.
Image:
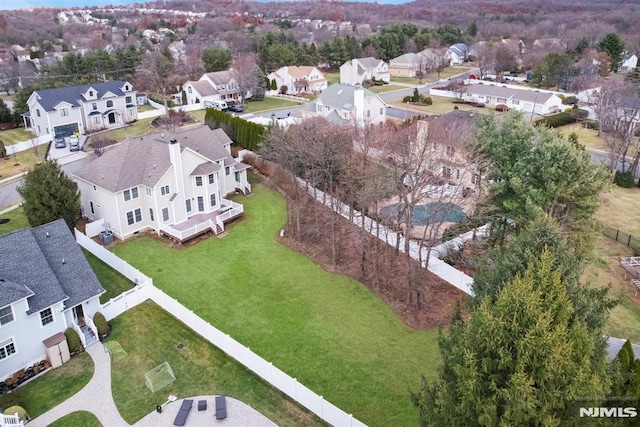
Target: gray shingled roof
[(338, 96), (11, 292), (33, 259), (144, 160), (369, 62), (49, 98), (220, 77), (407, 57), (509, 93), (460, 49), (205, 169), (203, 87)]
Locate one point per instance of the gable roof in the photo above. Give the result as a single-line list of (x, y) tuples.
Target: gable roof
[(47, 261), (300, 71), (369, 62), (203, 87), (406, 58), (144, 160), (220, 77), (459, 49), (339, 96), (509, 93), (49, 98)]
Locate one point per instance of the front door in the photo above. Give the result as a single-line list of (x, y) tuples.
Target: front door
[(237, 176), (112, 118), (200, 204), (78, 315)]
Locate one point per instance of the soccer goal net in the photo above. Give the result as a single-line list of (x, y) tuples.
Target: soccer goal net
[(115, 349), (159, 377)]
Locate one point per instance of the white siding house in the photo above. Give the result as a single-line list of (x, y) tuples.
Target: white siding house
[(518, 99), (216, 86), (299, 79), (46, 286), (173, 183), (358, 70), (68, 110), (346, 104)]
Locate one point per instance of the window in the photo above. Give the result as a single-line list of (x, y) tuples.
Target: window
[(90, 93), (96, 120), (381, 111), (148, 190), (515, 102), (151, 215), (109, 103), (165, 214), (368, 113), (212, 178), (457, 173), (189, 90), (475, 178), (127, 99), (501, 100), (227, 171), (213, 199), (64, 112), (131, 194), (94, 106), (200, 204), (164, 190), (446, 172), (134, 216), (6, 315), (198, 181), (46, 317), (131, 112), (38, 112), (91, 207), (188, 203), (450, 151), (7, 348)]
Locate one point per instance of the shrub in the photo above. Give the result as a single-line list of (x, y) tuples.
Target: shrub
[(563, 118), (101, 324), (407, 98), (12, 410), (8, 399), (624, 179), (73, 340), (569, 100), (427, 100)]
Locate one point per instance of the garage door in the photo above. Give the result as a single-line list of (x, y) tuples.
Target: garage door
[(65, 130)]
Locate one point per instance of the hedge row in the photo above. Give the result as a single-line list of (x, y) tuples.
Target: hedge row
[(563, 118), (240, 131)]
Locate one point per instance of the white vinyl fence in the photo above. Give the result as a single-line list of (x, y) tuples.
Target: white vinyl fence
[(276, 377)]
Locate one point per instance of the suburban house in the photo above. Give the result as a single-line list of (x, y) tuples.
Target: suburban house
[(406, 65), (356, 71), (46, 286), (80, 109), (298, 79), (216, 86), (629, 62), (518, 99), (174, 183), (346, 104), (458, 53)]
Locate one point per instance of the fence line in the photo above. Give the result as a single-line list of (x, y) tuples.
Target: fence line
[(622, 237), (264, 369)]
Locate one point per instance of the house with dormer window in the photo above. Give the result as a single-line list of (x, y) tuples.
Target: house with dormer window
[(298, 79), (174, 183), (46, 286), (82, 109), (215, 86)]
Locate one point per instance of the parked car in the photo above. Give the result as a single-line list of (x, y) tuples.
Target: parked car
[(74, 143), (480, 104), (59, 143), (502, 107), (238, 108)]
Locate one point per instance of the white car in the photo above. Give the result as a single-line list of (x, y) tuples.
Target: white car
[(74, 143)]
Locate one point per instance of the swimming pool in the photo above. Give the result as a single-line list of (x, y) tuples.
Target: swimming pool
[(429, 213)]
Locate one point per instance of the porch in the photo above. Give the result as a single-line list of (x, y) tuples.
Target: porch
[(202, 222)]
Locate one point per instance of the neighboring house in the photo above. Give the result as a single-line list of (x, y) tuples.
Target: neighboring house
[(629, 62), (216, 86), (549, 45), (20, 54), (356, 71), (458, 53), (172, 183), (299, 79), (46, 286), (346, 104), (141, 98), (406, 65), (517, 99), (80, 109)]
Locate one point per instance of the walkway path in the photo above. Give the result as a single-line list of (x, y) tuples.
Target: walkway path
[(96, 398)]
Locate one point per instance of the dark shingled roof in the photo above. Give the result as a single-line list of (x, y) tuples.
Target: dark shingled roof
[(49, 98), (34, 258), (11, 292)]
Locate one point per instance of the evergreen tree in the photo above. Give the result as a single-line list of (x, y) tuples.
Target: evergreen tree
[(5, 113), (49, 194), (521, 359), (614, 46), (216, 59)]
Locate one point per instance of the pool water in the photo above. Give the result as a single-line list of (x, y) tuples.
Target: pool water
[(429, 213)]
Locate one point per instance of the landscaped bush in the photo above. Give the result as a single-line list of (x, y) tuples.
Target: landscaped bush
[(624, 179), (8, 399), (427, 100), (243, 132), (101, 324), (563, 118), (73, 340), (569, 100), (407, 98), (16, 409), (157, 98)]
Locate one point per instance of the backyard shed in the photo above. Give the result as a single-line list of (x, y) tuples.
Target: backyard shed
[(57, 349)]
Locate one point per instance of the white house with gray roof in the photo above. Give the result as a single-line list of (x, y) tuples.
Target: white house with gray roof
[(345, 104), (174, 183), (46, 286), (358, 70), (216, 86), (64, 111), (526, 100)]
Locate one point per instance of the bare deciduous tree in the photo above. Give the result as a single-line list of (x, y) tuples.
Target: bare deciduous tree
[(156, 72), (247, 74)]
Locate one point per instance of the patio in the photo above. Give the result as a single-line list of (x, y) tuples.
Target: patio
[(203, 222)]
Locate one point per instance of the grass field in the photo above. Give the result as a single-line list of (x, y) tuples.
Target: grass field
[(17, 220), (619, 209), (441, 105), (11, 136), (332, 78), (77, 419), (145, 107), (141, 127), (55, 386), (587, 137), (328, 331), (150, 337), (112, 281), (385, 88), (15, 165)]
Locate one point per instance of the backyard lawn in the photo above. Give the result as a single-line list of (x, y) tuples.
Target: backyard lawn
[(328, 331), (15, 165), (11, 136), (619, 209), (112, 281), (385, 88), (587, 137), (77, 419), (151, 336), (441, 105), (17, 220), (332, 78), (140, 127)]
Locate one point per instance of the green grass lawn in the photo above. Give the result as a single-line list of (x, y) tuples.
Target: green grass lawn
[(145, 107), (332, 78), (407, 80), (112, 281), (11, 136), (587, 137), (441, 105), (55, 386), (150, 337), (140, 127), (17, 220), (77, 419), (21, 162), (328, 331), (385, 88), (619, 209), (269, 103)]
